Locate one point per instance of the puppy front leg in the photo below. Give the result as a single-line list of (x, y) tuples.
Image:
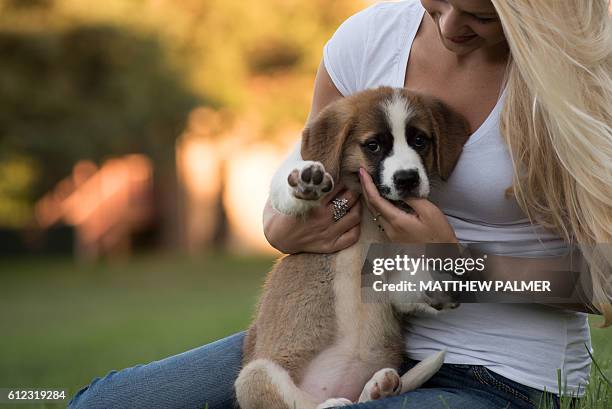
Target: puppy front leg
[(298, 185)]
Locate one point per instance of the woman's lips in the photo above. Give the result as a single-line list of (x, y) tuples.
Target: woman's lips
[(462, 39)]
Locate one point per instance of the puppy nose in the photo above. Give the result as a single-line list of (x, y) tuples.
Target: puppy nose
[(406, 180)]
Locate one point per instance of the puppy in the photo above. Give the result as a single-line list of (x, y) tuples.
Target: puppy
[(313, 343)]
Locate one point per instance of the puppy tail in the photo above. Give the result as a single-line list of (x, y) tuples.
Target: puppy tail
[(422, 371)]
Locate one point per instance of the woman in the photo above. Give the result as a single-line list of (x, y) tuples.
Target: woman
[(532, 78)]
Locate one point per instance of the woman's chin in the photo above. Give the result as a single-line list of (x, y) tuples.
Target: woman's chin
[(459, 49)]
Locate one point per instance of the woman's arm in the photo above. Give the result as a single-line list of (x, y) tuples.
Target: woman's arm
[(546, 269), (429, 225), (317, 233), (325, 92)]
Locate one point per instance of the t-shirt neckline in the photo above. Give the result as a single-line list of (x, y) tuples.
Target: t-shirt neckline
[(408, 37)]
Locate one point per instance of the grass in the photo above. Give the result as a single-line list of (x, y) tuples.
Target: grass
[(63, 324)]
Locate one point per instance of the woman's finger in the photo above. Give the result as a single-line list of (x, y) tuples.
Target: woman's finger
[(369, 190), (384, 224), (350, 220), (385, 227), (367, 202), (346, 201), (347, 239), (349, 195), (331, 195), (377, 203), (422, 207)]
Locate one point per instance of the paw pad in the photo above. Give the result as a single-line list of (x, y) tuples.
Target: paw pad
[(384, 383), (311, 182)]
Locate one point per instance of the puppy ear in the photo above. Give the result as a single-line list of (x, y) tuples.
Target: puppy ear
[(451, 132), (324, 137)]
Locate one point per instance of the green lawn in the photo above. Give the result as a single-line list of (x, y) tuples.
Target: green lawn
[(64, 324)]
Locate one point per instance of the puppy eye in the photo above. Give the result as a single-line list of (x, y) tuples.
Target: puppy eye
[(416, 138), (419, 142), (373, 146)]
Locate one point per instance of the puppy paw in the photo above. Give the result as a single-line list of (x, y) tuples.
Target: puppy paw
[(335, 402), (439, 301), (384, 383), (310, 182)]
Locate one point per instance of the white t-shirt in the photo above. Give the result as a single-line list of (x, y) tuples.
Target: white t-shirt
[(525, 343)]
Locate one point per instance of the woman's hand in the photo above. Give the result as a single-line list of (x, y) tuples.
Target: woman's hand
[(316, 232), (426, 225)]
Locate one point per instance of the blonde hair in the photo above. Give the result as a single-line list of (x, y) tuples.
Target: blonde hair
[(557, 123)]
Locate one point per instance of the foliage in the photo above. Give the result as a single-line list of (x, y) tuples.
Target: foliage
[(91, 91), (93, 79), (17, 175)]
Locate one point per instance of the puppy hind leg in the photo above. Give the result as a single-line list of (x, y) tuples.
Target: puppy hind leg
[(384, 383), (263, 384), (334, 403)]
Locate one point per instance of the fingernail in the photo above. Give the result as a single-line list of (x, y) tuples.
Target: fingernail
[(361, 172)]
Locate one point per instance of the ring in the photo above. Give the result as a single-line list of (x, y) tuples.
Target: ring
[(340, 208), (375, 219)]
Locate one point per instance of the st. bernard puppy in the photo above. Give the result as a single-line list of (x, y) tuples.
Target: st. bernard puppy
[(313, 343)]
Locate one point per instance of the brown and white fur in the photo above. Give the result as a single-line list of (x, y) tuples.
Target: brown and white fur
[(313, 343)]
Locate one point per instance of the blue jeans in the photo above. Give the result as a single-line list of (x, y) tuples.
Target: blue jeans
[(206, 375)]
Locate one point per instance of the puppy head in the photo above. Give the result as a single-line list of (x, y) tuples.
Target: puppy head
[(400, 137)]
